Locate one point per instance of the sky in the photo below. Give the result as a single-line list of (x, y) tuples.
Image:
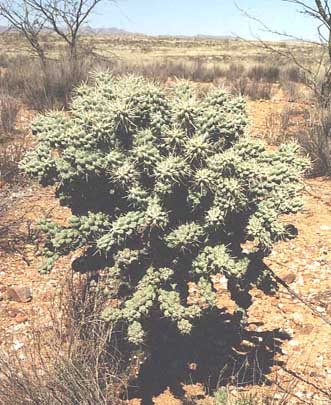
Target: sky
[(207, 17)]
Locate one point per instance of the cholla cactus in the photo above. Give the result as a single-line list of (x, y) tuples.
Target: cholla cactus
[(165, 188)]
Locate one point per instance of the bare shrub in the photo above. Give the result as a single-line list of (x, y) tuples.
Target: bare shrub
[(11, 153), (164, 69), (315, 139), (9, 107), (237, 84), (293, 73), (279, 126), (291, 90), (250, 82), (267, 73), (195, 70), (311, 128), (39, 91), (235, 71), (258, 90), (202, 72), (4, 60)]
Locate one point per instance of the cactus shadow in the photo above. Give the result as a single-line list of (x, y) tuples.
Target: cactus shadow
[(217, 353)]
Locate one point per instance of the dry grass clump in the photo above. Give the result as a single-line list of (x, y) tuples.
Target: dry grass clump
[(309, 126), (293, 73), (268, 73), (40, 90), (315, 138), (279, 126), (11, 153), (257, 90), (9, 108), (76, 361), (292, 90), (252, 80)]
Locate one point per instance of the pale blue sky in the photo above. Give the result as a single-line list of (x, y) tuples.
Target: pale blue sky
[(212, 17)]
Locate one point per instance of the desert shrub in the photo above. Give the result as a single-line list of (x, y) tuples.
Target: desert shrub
[(4, 60), (41, 90), (237, 86), (255, 90), (293, 73), (164, 69), (201, 72), (258, 90), (268, 73), (165, 188), (282, 126), (315, 139), (235, 70), (11, 153), (291, 90), (9, 108)]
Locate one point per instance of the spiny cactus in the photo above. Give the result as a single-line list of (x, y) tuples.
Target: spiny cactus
[(165, 188)]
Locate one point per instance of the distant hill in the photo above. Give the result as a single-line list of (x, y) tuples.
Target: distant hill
[(117, 31), (88, 30), (105, 31), (198, 36), (203, 36), (85, 30)]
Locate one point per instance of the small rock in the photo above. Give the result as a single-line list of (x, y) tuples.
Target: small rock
[(223, 282), (13, 312), (258, 294), (17, 346), (297, 317), (301, 281), (20, 318), (19, 294), (307, 329), (325, 228), (289, 278), (278, 395)]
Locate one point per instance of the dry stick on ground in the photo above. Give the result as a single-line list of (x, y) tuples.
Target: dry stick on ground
[(321, 390), (292, 384), (293, 294), (290, 389), (318, 197)]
